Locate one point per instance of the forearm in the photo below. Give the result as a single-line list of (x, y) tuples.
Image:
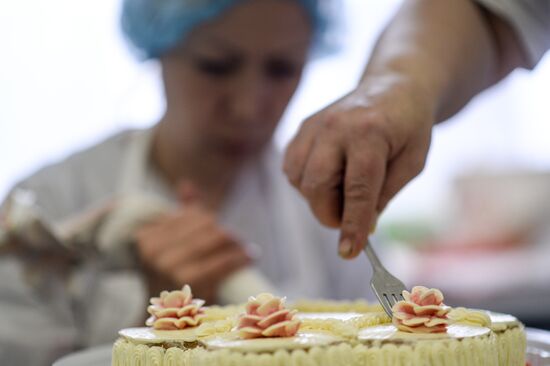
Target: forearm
[(351, 158), (449, 50)]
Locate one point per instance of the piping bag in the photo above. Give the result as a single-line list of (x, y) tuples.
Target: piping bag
[(112, 225)]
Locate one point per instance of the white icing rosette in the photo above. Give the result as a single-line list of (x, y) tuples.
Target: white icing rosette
[(266, 316), (470, 317), (175, 310), (422, 311)]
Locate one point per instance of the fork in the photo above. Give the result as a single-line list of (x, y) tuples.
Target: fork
[(387, 288)]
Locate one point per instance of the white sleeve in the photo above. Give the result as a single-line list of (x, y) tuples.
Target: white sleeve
[(45, 315), (35, 328), (530, 19)]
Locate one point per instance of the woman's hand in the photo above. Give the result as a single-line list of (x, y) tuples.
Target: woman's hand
[(190, 247), (351, 158)]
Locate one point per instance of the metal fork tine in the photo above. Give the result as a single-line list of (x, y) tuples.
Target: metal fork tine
[(389, 299), (386, 287), (383, 301), (387, 309), (386, 305)]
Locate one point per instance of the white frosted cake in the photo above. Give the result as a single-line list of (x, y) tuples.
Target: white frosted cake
[(264, 332)]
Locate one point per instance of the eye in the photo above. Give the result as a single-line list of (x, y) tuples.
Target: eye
[(217, 68), (281, 69)]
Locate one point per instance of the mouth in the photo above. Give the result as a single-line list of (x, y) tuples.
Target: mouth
[(242, 140), (240, 147)]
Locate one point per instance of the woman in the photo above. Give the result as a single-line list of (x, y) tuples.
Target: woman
[(229, 69)]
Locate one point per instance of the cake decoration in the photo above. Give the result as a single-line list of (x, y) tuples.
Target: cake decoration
[(175, 310), (360, 339), (266, 316), (470, 317), (422, 311)]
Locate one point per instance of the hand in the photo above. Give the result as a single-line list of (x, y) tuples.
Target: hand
[(351, 158), (190, 247)]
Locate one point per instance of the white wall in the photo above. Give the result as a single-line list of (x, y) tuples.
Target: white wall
[(67, 80)]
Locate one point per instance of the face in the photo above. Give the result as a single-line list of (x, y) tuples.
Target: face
[(229, 84)]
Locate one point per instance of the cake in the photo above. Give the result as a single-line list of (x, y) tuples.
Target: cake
[(265, 332)]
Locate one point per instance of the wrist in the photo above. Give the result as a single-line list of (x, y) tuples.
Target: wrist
[(403, 90)]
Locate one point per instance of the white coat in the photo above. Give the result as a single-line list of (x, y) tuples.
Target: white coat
[(86, 306)]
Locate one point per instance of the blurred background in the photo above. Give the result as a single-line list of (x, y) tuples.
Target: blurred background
[(474, 224)]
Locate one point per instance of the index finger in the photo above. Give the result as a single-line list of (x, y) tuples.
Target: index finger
[(364, 177)]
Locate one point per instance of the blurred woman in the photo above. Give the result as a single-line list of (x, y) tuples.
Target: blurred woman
[(229, 69)]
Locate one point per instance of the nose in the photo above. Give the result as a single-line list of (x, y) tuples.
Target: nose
[(250, 99)]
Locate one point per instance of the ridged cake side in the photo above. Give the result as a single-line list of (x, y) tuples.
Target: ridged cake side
[(497, 349)]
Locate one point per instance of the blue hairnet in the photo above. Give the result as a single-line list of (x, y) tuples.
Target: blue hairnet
[(154, 27)]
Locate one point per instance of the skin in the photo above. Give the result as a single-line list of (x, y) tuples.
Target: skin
[(350, 159), (226, 90)]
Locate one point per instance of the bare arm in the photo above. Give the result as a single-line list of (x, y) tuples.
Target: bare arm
[(452, 49), (351, 158)]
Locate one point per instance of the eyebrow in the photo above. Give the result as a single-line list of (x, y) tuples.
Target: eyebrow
[(227, 45)]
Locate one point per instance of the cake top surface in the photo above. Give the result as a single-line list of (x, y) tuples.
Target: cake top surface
[(391, 332), (329, 316), (301, 340), (148, 335), (501, 321), (265, 324)]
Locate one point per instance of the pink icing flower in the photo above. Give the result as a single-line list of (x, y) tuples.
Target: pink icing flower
[(422, 311), (266, 316), (175, 310)]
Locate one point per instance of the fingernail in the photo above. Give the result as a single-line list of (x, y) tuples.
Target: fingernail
[(345, 248), (374, 223), (373, 227)]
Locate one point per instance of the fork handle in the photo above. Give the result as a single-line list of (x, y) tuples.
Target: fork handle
[(373, 258)]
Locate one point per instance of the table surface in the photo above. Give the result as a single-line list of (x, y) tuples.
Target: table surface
[(538, 352)]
